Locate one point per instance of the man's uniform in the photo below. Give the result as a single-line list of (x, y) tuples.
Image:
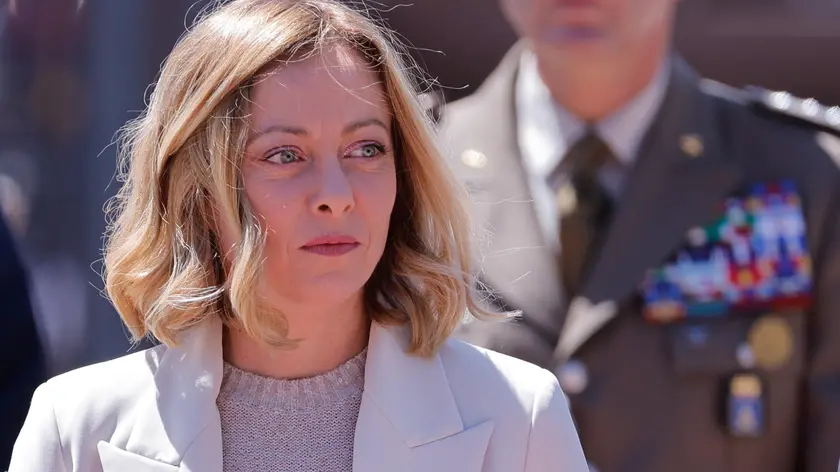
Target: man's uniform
[(704, 333)]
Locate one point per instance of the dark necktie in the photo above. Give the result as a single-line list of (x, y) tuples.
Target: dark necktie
[(584, 205)]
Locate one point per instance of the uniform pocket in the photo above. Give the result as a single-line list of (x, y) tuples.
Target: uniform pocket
[(771, 343)]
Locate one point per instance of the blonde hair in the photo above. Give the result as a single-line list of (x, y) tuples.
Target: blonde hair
[(179, 165)]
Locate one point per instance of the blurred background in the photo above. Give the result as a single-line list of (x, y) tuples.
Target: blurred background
[(71, 75)]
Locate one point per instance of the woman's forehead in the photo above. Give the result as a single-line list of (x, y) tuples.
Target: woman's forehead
[(336, 66), (337, 82)]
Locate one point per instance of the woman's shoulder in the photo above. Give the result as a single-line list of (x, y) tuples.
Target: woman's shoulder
[(101, 389), (529, 412), (113, 373), (505, 380), (70, 413)]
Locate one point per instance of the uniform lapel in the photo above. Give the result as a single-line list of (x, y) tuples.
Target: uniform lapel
[(178, 425), (672, 188), (515, 261), (409, 420)]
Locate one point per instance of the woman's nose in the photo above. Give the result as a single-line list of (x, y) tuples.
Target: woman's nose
[(335, 193)]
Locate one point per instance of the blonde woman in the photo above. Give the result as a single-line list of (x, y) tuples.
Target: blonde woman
[(289, 232)]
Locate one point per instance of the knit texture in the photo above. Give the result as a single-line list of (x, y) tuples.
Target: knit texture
[(300, 425)]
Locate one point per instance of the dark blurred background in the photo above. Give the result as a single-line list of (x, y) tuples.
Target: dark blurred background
[(71, 74), (779, 44)]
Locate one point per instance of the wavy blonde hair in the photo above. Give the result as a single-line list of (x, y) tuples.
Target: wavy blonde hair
[(180, 167)]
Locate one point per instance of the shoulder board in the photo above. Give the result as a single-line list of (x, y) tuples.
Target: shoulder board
[(807, 111)]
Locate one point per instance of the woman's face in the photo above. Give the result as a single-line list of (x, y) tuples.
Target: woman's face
[(319, 172)]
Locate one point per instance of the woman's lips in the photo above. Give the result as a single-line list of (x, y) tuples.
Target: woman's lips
[(331, 245), (331, 249)]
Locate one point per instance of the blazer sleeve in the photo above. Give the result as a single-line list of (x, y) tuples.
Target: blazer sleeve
[(39, 447), (553, 444)]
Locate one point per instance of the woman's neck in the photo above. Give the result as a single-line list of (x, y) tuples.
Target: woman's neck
[(329, 336)]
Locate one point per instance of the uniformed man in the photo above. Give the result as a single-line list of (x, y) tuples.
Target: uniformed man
[(673, 244)]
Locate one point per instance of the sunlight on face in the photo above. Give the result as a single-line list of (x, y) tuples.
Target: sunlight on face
[(319, 171)]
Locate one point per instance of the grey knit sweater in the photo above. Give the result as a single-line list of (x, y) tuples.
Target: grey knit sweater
[(301, 425)]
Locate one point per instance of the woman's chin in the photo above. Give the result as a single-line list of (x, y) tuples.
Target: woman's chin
[(326, 291)]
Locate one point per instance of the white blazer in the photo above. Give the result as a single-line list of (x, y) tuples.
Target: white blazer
[(464, 410)]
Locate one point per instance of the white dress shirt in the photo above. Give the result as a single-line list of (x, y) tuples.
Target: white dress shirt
[(545, 131)]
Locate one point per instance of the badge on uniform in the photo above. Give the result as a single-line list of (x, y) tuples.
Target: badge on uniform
[(744, 416), (752, 259)]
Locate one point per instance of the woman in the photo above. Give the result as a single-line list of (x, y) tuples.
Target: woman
[(290, 234)]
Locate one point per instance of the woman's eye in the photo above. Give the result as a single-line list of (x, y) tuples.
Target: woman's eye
[(284, 156), (367, 150)]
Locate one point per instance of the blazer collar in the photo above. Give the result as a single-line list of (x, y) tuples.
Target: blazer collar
[(180, 415), (407, 409), (421, 414), (409, 420)]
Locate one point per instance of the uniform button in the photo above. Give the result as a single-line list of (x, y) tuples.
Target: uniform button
[(745, 356), (691, 145), (573, 377), (697, 335)]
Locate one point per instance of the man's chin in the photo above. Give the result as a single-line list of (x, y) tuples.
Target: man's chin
[(572, 36)]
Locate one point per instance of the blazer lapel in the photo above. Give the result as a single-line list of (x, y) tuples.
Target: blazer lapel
[(205, 454), (409, 420), (515, 262), (178, 426), (115, 459), (675, 185)]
